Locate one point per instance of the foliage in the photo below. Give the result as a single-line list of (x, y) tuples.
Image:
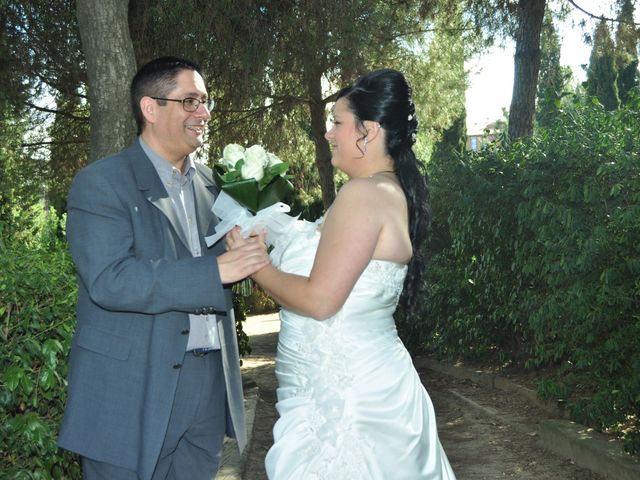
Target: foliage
[(43, 46), (37, 300), (260, 302), (553, 77), (268, 64), (239, 309), (601, 73), (17, 186), (453, 141), (626, 53), (44, 73), (273, 66), (534, 257), (68, 151), (438, 79)]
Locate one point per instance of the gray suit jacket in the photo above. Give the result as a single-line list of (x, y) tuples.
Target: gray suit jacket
[(137, 282)]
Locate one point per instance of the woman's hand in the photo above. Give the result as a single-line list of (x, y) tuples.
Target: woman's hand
[(243, 258), (234, 239)]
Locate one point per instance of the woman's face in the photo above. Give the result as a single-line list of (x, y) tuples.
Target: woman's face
[(345, 137)]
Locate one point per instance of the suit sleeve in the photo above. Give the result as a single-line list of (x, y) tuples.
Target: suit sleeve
[(100, 234)]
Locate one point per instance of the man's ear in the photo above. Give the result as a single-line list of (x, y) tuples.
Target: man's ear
[(149, 109), (373, 129)]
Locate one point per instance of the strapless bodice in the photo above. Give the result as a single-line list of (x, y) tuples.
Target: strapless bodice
[(375, 295)]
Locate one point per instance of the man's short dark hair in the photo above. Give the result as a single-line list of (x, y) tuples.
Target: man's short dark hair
[(157, 79)]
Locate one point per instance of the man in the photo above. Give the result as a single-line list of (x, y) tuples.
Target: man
[(154, 379)]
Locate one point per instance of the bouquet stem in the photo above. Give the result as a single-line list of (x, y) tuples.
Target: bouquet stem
[(243, 287)]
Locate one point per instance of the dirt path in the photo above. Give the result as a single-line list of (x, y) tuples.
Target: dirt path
[(490, 435), (259, 368), (486, 434)]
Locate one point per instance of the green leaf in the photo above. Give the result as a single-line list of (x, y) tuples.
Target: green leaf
[(50, 350), (277, 191), (248, 193), (47, 379), (12, 377), (271, 172), (26, 383), (615, 190), (244, 192)]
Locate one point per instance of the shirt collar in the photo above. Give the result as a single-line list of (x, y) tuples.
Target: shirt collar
[(167, 172)]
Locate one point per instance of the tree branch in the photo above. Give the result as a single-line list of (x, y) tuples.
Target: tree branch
[(599, 17), (53, 142), (56, 112), (280, 100)]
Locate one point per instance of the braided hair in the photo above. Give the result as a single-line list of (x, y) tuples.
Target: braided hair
[(384, 96)]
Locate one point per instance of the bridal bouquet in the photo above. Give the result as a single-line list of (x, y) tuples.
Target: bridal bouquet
[(253, 177), (253, 184)]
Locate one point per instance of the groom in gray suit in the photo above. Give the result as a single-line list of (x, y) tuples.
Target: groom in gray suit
[(154, 377)]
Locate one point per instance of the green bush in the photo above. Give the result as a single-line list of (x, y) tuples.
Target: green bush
[(259, 302), (37, 303), (249, 299), (534, 260)]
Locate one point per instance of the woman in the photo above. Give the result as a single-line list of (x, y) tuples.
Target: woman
[(351, 404)]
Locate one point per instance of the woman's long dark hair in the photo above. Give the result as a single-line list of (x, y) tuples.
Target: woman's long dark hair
[(384, 96)]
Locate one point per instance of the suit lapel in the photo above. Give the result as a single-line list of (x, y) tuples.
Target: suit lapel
[(165, 205), (203, 189), (149, 182)]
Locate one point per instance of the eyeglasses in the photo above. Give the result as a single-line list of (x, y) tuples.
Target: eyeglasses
[(190, 104)]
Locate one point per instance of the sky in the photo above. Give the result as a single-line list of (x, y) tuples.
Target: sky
[(491, 73)]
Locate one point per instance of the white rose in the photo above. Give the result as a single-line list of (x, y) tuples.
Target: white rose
[(231, 154), (254, 163), (256, 154), (272, 160)]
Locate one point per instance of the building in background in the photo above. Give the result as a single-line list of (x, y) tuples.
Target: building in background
[(479, 135)]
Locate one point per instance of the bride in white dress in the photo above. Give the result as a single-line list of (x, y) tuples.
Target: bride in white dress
[(351, 403)]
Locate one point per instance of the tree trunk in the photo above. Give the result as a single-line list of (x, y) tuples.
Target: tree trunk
[(111, 64), (318, 130), (526, 67)]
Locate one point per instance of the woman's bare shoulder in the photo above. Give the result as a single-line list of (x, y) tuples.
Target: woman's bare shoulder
[(369, 188)]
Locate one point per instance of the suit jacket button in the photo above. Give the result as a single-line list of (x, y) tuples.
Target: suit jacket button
[(176, 366), (185, 332)]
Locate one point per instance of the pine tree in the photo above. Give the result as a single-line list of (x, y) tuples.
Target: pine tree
[(626, 51), (453, 141), (553, 77), (601, 73)]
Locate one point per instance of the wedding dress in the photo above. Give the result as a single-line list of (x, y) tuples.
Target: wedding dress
[(351, 404)]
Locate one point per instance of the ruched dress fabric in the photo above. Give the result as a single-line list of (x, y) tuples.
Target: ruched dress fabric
[(351, 403)]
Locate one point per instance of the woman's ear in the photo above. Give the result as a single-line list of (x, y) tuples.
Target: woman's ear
[(373, 129)]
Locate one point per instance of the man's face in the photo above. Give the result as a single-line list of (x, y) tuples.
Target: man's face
[(176, 133)]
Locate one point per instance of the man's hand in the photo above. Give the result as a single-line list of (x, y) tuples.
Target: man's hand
[(243, 258)]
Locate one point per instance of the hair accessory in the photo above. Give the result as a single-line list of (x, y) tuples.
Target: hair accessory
[(410, 117), (413, 137)]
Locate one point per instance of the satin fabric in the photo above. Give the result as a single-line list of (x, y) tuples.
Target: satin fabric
[(351, 403)]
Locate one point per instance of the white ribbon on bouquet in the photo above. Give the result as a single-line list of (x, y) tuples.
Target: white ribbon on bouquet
[(273, 219)]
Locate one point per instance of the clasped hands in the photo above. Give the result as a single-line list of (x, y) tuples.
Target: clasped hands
[(244, 256)]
